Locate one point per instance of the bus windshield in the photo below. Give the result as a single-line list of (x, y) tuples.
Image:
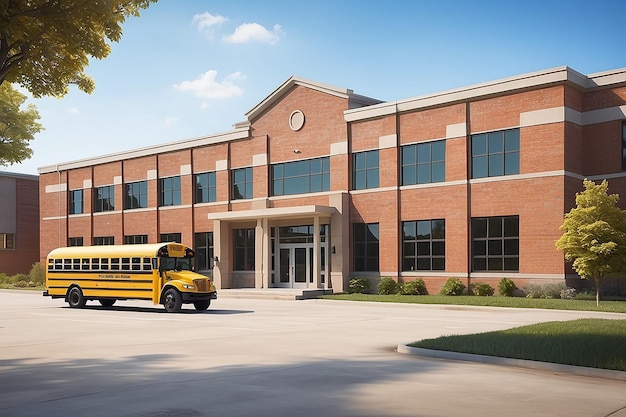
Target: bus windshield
[(176, 264)]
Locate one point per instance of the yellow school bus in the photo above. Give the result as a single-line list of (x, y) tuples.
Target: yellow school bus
[(161, 272)]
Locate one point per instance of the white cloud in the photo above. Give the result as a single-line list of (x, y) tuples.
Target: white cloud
[(206, 22), (73, 110), (253, 32), (206, 85)]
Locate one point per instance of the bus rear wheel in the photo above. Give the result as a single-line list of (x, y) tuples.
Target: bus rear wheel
[(75, 298), (202, 305), (172, 301), (107, 302)]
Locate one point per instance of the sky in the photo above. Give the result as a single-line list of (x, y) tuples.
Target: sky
[(192, 68)]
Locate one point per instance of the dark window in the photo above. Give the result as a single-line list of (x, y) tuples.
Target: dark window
[(104, 199), (495, 243), (365, 248), (424, 163), (242, 183), (495, 153), (301, 177), (104, 240), (170, 237), (75, 241), (623, 146), (7, 241), (424, 245), (135, 239), (169, 191), (365, 172), (204, 251), (136, 195), (244, 250), (76, 202), (205, 187)]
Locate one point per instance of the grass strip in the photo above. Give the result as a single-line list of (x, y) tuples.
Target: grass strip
[(494, 301), (594, 343)]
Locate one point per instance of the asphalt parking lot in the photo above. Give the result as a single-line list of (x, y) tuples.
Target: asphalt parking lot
[(250, 357)]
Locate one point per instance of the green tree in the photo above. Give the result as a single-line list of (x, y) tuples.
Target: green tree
[(594, 234), (45, 45), (17, 125)]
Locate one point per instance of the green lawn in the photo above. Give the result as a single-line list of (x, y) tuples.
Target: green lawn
[(594, 343), (494, 301)]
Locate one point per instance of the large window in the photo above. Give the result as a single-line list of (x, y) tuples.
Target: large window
[(300, 177), (136, 195), (104, 240), (365, 170), (169, 191), (76, 202), (424, 163), (204, 251), (244, 250), (7, 241), (205, 187), (170, 237), (135, 239), (365, 239), (495, 154), (424, 245), (104, 199), (75, 241), (495, 243), (623, 146), (242, 183)]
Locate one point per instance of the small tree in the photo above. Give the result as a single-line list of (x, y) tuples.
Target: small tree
[(18, 125), (594, 234)]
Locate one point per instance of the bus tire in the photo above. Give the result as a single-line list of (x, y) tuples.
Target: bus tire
[(202, 305), (172, 301), (75, 298), (107, 302)]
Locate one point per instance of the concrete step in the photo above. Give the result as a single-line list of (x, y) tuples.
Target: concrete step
[(272, 293)]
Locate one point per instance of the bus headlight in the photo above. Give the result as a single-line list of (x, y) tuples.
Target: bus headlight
[(189, 287)]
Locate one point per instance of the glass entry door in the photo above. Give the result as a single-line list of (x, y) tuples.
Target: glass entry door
[(295, 265)]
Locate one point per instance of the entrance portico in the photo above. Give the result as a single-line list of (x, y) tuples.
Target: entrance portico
[(291, 247)]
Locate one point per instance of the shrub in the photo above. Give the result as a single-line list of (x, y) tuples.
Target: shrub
[(453, 286), (482, 289), (568, 293), (506, 287), (37, 274), (544, 291), (416, 287), (387, 286), (21, 284), (359, 286)]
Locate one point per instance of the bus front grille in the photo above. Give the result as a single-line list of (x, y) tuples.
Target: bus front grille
[(202, 284)]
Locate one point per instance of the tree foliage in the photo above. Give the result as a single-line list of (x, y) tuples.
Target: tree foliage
[(45, 45), (594, 234), (17, 125)]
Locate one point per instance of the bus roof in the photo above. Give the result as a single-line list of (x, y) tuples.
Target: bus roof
[(108, 251)]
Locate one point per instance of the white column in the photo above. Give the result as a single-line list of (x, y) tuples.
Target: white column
[(317, 258)]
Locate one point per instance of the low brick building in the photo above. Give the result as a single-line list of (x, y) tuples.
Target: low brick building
[(319, 184), (19, 222)]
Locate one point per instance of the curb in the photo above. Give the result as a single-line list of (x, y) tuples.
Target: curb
[(519, 363)]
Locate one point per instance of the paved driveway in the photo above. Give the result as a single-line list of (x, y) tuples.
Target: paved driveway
[(247, 357)]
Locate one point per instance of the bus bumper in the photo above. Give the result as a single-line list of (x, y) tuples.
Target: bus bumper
[(190, 297)]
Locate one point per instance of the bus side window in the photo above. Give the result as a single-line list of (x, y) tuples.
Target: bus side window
[(58, 264), (155, 263), (76, 265), (115, 264), (104, 263), (67, 264), (95, 264), (136, 264), (85, 265), (125, 264)]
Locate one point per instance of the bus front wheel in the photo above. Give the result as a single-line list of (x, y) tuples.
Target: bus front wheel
[(75, 298), (172, 301), (201, 305)]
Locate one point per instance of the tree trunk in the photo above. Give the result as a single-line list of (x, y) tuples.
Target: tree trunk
[(597, 281)]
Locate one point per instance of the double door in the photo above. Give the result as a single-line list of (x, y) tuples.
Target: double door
[(296, 265)]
